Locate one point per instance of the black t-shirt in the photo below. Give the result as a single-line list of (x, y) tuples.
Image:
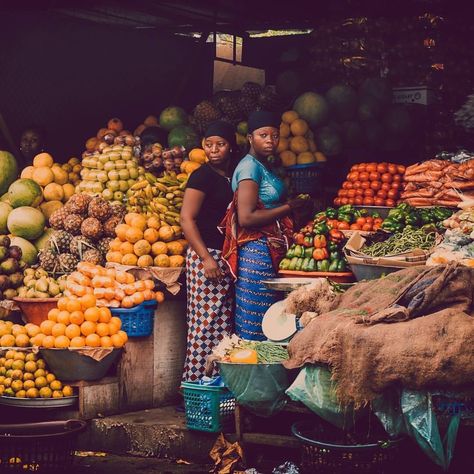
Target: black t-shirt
[(218, 195)]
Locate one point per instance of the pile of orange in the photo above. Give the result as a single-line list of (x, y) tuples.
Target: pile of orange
[(79, 323), (111, 287)]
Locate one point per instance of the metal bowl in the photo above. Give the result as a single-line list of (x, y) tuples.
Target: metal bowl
[(38, 402)]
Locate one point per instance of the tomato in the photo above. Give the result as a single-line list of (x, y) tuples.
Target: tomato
[(397, 178), (374, 176), (367, 227), (369, 220), (400, 169), (387, 178), (392, 194), (337, 201), (361, 167), (386, 186), (356, 184), (382, 168), (354, 176), (360, 221), (355, 227), (382, 194), (350, 201), (344, 201), (371, 167), (348, 185), (365, 185), (351, 193), (379, 201), (392, 169), (342, 193), (368, 201), (344, 185), (354, 168), (396, 186), (369, 192), (364, 176), (358, 200), (378, 220), (375, 185), (359, 192), (376, 227), (390, 203), (343, 226)]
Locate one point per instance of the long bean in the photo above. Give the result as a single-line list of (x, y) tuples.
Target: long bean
[(268, 353), (407, 240)]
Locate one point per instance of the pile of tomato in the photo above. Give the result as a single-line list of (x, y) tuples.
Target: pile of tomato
[(368, 224), (372, 184)]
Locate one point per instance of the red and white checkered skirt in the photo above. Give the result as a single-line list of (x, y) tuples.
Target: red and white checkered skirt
[(210, 308)]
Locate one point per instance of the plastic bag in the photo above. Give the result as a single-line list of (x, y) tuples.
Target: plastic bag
[(287, 468), (258, 387), (314, 388)]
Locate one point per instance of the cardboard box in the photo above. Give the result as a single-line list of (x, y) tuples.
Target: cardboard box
[(413, 95)]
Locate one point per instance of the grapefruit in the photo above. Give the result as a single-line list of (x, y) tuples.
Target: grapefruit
[(25, 192), (26, 222), (8, 170)]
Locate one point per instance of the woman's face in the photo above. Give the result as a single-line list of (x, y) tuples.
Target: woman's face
[(265, 140), (30, 144), (217, 150)]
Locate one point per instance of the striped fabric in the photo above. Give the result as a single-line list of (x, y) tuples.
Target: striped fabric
[(252, 298)]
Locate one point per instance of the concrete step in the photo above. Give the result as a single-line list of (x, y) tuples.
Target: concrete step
[(158, 432)]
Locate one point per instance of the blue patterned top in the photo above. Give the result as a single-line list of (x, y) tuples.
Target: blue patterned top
[(271, 189)]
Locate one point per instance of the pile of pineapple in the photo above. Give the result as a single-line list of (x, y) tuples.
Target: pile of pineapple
[(83, 229)]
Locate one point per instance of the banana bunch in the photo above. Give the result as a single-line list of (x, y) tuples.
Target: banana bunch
[(162, 197)]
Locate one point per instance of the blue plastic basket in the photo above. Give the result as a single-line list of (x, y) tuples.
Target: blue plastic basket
[(306, 179), (208, 408), (137, 321)]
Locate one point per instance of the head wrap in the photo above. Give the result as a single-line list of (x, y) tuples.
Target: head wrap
[(222, 129), (262, 118)]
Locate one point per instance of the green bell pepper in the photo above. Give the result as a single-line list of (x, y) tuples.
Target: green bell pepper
[(293, 263), (299, 264), (291, 252), (305, 265), (299, 251), (332, 246), (333, 266), (345, 217), (335, 255), (312, 266), (412, 219), (392, 226), (321, 228), (308, 241), (331, 213), (346, 209), (308, 252), (324, 267), (341, 266), (285, 264), (426, 216)]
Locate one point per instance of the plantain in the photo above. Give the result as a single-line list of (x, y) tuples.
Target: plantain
[(161, 200), (161, 187), (151, 178), (139, 185)]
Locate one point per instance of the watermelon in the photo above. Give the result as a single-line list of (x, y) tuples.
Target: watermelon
[(398, 121), (25, 192), (313, 108), (184, 135), (342, 100), (26, 222), (172, 117), (8, 170), (377, 88), (352, 134), (329, 141), (369, 109)]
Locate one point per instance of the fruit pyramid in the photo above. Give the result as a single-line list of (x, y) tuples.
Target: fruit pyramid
[(25, 375)]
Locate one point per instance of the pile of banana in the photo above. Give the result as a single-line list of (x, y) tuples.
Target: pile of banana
[(162, 197)]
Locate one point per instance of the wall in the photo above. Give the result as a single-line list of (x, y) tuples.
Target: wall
[(70, 76)]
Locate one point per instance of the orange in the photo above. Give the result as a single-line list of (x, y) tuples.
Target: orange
[(103, 329), (114, 245), (130, 278), (73, 305), (48, 342), (289, 116), (113, 329), (77, 317), (126, 247), (37, 340), (105, 341), (153, 223), (46, 327), (92, 314), (151, 235), (113, 257), (109, 293), (121, 231), (284, 130), (53, 314), (78, 342), (129, 289), (104, 315), (72, 331), (160, 296), (134, 234), (59, 329), (123, 335), (111, 273), (93, 340), (140, 285), (149, 284), (62, 303), (61, 342), (299, 127), (127, 302), (148, 295), (116, 321), (129, 259), (116, 340), (299, 144), (129, 216), (138, 298), (64, 317), (119, 294), (162, 260), (138, 222), (88, 327), (121, 277), (87, 301), (142, 247), (22, 340), (145, 261)]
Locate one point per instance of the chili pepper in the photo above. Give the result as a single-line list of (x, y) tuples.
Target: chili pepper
[(341, 266), (324, 265), (308, 241), (293, 263), (299, 251), (320, 254), (291, 252), (331, 213), (320, 241), (285, 264), (299, 264), (305, 265), (336, 235), (308, 252), (333, 266), (312, 265), (321, 228)]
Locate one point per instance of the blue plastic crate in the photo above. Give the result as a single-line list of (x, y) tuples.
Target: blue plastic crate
[(207, 408), (137, 321), (306, 179)]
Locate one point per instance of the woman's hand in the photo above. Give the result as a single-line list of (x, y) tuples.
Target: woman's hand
[(298, 203), (212, 271)]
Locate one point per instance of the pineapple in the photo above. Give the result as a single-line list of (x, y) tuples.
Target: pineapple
[(205, 113), (79, 203), (103, 245), (93, 256), (72, 224), (67, 262), (252, 90), (92, 228), (118, 210), (48, 260), (110, 225), (80, 244), (228, 103), (56, 220), (269, 100), (60, 241), (99, 208)]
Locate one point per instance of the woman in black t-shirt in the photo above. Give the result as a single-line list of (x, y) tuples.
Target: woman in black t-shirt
[(210, 298)]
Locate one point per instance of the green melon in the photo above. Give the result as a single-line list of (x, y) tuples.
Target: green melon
[(8, 170), (369, 109), (377, 88), (398, 121), (184, 135), (342, 100), (25, 192), (328, 141), (313, 108), (352, 134), (29, 251), (5, 210), (42, 242), (26, 222), (172, 117), (375, 134)]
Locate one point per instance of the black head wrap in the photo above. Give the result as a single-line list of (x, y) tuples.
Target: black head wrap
[(262, 118), (219, 128)]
